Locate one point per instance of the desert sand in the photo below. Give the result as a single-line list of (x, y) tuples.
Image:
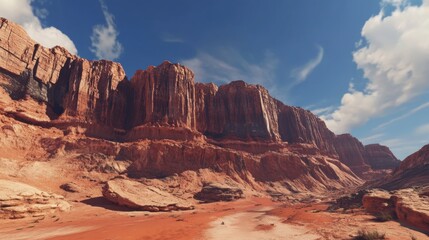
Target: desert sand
[(255, 218)]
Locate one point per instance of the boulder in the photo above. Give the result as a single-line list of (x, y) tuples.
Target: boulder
[(412, 208), (70, 187), (139, 196), (215, 192), (408, 205), (377, 201), (19, 200)]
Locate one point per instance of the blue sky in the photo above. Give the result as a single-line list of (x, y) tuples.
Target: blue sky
[(359, 64)]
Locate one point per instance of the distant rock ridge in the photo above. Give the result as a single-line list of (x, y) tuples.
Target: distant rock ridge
[(160, 102), (412, 172)]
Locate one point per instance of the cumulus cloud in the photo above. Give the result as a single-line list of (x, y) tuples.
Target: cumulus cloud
[(395, 61), (104, 42), (230, 65), (301, 73), (21, 12)]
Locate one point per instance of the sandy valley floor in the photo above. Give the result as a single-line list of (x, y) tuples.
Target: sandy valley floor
[(256, 218)]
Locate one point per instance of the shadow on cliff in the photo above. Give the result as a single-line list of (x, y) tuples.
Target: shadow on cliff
[(104, 203)]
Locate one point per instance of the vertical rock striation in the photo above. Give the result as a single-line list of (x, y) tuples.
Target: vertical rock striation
[(71, 86), (163, 95)]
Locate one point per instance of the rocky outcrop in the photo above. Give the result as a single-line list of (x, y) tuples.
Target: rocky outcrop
[(215, 192), (138, 196), (163, 95), (19, 200), (297, 125), (352, 153), (71, 187), (378, 201), (380, 157), (413, 172), (237, 111), (299, 167), (415, 160), (407, 205), (70, 86), (412, 208)]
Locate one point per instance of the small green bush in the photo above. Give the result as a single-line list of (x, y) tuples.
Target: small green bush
[(369, 235)]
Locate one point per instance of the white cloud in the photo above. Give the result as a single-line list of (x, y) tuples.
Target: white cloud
[(301, 73), (422, 129), (231, 65), (395, 61), (104, 37), (408, 114), (21, 12)]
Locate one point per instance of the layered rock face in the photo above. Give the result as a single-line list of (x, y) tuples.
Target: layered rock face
[(163, 95), (380, 157), (415, 160), (19, 200), (364, 160), (161, 122), (352, 153), (70, 86), (301, 126), (413, 172), (238, 111)]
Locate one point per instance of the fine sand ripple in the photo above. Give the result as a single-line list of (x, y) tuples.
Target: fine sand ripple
[(256, 225)]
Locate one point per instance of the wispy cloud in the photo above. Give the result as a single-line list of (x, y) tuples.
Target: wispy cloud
[(372, 138), (406, 115), (322, 111), (229, 64), (104, 42), (422, 129), (394, 59), (300, 74), (169, 38), (21, 12)]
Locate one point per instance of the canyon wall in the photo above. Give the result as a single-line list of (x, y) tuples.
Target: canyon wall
[(161, 102)]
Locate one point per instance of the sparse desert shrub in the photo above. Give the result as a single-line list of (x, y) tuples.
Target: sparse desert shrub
[(369, 235), (383, 217)]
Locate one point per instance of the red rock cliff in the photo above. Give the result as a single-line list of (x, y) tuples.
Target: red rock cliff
[(415, 160), (352, 153), (301, 126), (238, 111), (163, 95), (70, 86), (97, 93), (380, 157)]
